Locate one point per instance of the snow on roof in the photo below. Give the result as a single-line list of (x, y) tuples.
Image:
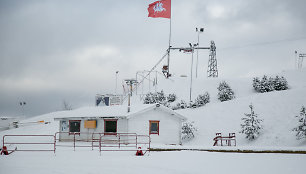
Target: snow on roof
[(113, 111)]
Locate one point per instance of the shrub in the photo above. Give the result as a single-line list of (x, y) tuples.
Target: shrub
[(225, 92), (188, 131), (270, 84)]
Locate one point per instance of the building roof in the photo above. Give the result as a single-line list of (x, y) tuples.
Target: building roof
[(118, 111)]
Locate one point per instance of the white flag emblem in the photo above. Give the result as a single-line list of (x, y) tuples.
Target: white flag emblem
[(158, 7)]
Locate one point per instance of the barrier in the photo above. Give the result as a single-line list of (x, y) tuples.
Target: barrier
[(102, 141), (44, 143)]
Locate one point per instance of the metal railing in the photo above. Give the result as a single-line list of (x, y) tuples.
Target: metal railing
[(48, 144), (102, 141)]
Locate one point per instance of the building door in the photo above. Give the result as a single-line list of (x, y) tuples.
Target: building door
[(74, 126)]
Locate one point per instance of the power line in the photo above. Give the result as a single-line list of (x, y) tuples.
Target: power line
[(264, 43)]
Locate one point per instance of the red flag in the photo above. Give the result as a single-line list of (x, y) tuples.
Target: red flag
[(160, 9)]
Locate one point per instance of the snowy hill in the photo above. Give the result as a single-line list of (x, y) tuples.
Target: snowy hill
[(277, 109)]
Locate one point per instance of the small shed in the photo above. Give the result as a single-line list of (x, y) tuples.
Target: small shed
[(162, 124)]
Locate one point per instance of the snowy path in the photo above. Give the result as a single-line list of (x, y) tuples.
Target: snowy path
[(157, 162)]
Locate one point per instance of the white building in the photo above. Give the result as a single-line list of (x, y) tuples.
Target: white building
[(162, 124), (7, 122)]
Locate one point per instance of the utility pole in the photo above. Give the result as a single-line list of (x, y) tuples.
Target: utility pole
[(130, 82), (200, 30)]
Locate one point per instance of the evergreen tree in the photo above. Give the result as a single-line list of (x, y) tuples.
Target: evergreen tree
[(171, 98), (225, 92), (256, 84), (283, 83), (270, 84), (201, 100), (183, 104), (251, 125), (158, 97), (301, 128), (264, 84)]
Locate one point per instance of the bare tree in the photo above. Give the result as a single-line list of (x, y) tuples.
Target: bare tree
[(66, 106)]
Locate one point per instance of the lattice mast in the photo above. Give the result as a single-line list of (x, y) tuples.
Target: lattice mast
[(212, 61)]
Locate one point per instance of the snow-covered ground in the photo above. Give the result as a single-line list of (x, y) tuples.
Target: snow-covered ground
[(278, 110), (156, 162)]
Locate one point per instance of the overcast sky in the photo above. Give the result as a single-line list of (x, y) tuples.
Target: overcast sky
[(55, 50)]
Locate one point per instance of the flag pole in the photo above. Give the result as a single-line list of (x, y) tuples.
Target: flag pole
[(169, 41)]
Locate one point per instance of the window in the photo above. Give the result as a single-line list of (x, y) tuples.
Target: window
[(74, 126), (110, 126), (154, 127)]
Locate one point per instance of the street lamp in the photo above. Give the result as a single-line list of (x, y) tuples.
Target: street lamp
[(116, 81), (22, 104), (198, 30), (192, 50)]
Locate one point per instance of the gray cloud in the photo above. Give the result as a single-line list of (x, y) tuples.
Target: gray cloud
[(69, 50)]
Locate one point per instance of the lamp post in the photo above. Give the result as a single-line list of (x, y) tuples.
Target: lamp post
[(22, 104), (116, 81), (200, 30), (191, 69)]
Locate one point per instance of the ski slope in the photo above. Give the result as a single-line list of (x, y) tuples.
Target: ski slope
[(277, 109)]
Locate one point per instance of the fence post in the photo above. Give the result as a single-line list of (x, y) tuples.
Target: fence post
[(54, 143), (119, 141), (3, 141), (92, 141), (74, 141), (100, 144), (149, 143)]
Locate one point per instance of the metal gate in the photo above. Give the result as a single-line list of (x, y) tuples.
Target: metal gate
[(94, 141)]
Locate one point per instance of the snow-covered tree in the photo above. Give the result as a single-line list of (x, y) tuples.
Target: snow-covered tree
[(256, 84), (171, 98), (188, 131), (192, 104), (301, 128), (202, 99), (283, 84), (180, 105), (158, 97), (269, 84), (225, 92), (266, 84), (251, 125)]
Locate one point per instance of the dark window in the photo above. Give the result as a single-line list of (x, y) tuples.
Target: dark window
[(154, 127), (110, 126), (74, 125)]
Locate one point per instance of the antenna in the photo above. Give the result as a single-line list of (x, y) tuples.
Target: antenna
[(212, 62)]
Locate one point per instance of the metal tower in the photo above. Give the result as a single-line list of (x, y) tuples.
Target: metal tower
[(300, 60), (212, 61)]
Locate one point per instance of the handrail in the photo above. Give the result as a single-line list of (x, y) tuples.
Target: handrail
[(29, 143)]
